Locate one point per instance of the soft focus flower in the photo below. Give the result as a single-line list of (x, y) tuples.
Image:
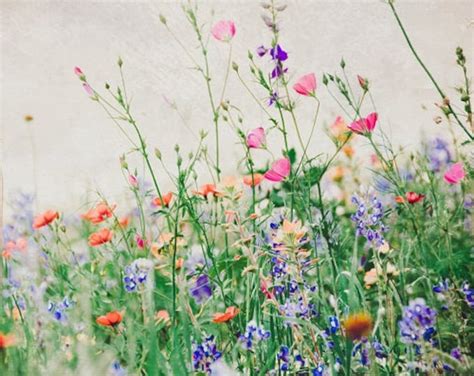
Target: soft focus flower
[(256, 138), (413, 197), (45, 218), (364, 125), (162, 316), (132, 179), (438, 153), (206, 189), (228, 315), (338, 129), (166, 200), (100, 237), (253, 334), (124, 221), (202, 289), (363, 83), (6, 340), (205, 354), (368, 217), (140, 241), (223, 30), (136, 274), (454, 174), (418, 322), (78, 72), (99, 214), (253, 180), (110, 319), (279, 171), (58, 310), (358, 325), (306, 85)]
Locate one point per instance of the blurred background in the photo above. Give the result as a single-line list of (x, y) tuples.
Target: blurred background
[(61, 146)]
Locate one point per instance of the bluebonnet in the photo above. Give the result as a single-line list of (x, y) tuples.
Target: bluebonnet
[(283, 358), (253, 334), (205, 354), (58, 310), (441, 287), (368, 218), (202, 289), (364, 347), (418, 323), (333, 324), (468, 293), (136, 274), (318, 371)]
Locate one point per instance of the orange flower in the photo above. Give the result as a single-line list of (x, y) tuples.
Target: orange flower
[(399, 199), (98, 214), (110, 319), (6, 340), (257, 179), (45, 218), (100, 237), (348, 151), (358, 325), (19, 245), (229, 314), (166, 200), (162, 316), (124, 221), (206, 189)]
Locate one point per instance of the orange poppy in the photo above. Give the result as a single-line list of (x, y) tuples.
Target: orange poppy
[(98, 214), (257, 179), (110, 319), (166, 200), (358, 325), (206, 189), (6, 340), (100, 237), (229, 314), (45, 218), (124, 221)]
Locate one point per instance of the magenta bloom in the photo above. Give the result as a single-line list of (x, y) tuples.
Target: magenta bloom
[(364, 126), (78, 72), (454, 174), (279, 171), (223, 30), (306, 85), (256, 138)]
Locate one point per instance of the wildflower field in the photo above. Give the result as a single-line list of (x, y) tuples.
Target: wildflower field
[(336, 263)]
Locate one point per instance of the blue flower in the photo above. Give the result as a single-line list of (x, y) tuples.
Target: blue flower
[(202, 289), (136, 274), (205, 354), (368, 218), (253, 334), (418, 322)]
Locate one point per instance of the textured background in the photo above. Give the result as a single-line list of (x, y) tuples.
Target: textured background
[(71, 149)]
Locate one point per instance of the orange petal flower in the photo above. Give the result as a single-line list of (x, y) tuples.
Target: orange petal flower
[(166, 200), (358, 325), (110, 319), (45, 218), (100, 237), (206, 189), (229, 314), (98, 214), (124, 221), (257, 179), (6, 340)]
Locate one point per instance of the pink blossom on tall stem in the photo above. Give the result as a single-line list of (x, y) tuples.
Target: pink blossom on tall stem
[(454, 174), (306, 85), (223, 30), (279, 171), (364, 125), (88, 89), (78, 72), (256, 138), (140, 241), (132, 179)]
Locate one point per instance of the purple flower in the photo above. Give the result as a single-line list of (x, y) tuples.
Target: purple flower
[(439, 154), (333, 324), (202, 289), (136, 274), (368, 218), (273, 98), (418, 322), (253, 333), (58, 310), (468, 293), (277, 53), (205, 354), (261, 51)]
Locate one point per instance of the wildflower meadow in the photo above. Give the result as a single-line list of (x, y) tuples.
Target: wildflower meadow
[(357, 261)]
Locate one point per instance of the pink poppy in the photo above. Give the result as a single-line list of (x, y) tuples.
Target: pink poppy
[(454, 174), (306, 85), (223, 30), (279, 171), (364, 126), (256, 138)]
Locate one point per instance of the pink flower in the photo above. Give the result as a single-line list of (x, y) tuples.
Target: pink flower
[(306, 85), (455, 173), (364, 126), (256, 138), (140, 241), (362, 82), (132, 179), (78, 72), (223, 30), (88, 89), (279, 171)]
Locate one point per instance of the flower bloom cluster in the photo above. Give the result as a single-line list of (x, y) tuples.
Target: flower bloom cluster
[(363, 348), (468, 293), (418, 323), (205, 354), (253, 334), (288, 361), (136, 274), (58, 310), (368, 218)]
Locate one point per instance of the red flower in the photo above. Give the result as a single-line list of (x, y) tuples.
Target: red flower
[(229, 314), (45, 218), (100, 237), (110, 319), (413, 197), (6, 340), (166, 200), (98, 214)]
